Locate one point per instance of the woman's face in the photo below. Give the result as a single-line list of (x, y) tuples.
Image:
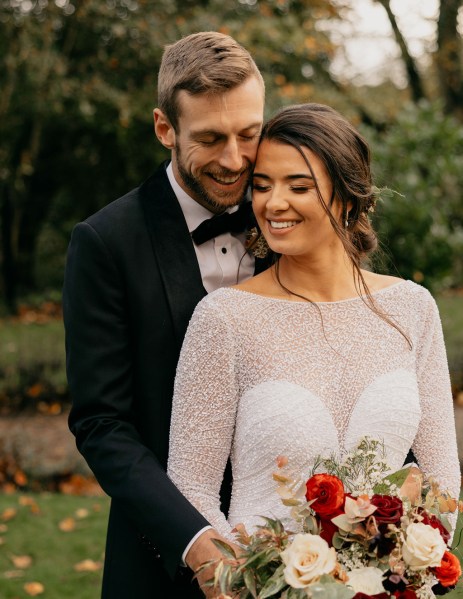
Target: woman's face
[(286, 201)]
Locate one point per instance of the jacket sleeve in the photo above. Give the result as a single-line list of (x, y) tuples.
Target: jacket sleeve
[(99, 369)]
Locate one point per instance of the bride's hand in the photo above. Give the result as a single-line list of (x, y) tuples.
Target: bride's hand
[(411, 488)]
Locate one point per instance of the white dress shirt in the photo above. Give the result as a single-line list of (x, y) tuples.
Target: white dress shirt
[(223, 261)]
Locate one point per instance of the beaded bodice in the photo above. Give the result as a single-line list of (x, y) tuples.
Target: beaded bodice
[(260, 377)]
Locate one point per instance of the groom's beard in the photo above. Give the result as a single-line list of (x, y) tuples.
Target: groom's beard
[(214, 200)]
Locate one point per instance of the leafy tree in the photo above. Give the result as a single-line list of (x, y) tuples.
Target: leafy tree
[(78, 87), (421, 157)]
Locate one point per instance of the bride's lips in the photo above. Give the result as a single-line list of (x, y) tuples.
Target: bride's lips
[(281, 227)]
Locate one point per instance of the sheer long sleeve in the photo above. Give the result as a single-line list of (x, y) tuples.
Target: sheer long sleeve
[(203, 413), (435, 445)]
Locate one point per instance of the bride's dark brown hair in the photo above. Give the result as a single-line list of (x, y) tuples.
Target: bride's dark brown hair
[(345, 155)]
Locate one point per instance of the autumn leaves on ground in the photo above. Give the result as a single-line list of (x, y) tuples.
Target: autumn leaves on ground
[(51, 545)]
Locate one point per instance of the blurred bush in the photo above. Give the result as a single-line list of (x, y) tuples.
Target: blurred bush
[(421, 157)]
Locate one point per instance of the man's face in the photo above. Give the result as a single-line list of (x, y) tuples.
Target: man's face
[(216, 143)]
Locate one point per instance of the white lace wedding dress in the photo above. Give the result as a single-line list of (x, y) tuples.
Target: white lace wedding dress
[(261, 377)]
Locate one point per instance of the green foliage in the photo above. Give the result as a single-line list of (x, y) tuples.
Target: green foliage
[(78, 88), (32, 365), (451, 313), (421, 157)]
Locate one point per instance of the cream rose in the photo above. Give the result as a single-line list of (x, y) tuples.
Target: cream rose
[(366, 580), (306, 559), (423, 547)]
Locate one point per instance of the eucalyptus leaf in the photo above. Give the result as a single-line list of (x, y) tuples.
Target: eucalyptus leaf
[(225, 548), (274, 584), (396, 478), (250, 582), (331, 590)]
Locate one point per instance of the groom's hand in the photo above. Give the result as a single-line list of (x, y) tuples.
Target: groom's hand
[(204, 550)]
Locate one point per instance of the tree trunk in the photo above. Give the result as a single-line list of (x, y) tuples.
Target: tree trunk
[(414, 77), (448, 62), (8, 266)]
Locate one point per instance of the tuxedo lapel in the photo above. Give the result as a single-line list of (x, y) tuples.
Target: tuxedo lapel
[(173, 250)]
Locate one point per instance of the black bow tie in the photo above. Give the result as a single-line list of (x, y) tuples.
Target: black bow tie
[(235, 222)]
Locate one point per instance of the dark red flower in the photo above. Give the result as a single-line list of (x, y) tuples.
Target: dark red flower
[(363, 596), (449, 570), (328, 492), (405, 594), (328, 528), (389, 509)]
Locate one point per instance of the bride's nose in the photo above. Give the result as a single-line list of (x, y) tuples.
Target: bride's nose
[(276, 201)]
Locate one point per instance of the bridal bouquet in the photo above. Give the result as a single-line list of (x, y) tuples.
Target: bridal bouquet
[(350, 535)]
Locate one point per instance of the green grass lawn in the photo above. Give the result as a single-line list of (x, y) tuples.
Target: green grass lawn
[(54, 552)]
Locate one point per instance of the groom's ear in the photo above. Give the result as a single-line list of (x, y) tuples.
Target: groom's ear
[(163, 129)]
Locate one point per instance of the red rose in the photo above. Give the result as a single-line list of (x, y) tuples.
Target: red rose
[(328, 492), (389, 509), (434, 521), (449, 570)]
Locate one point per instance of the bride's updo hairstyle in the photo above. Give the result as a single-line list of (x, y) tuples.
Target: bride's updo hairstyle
[(346, 157)]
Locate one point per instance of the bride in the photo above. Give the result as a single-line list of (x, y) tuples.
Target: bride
[(316, 352)]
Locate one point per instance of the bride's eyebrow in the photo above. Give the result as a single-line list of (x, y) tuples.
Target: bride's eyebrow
[(288, 177)]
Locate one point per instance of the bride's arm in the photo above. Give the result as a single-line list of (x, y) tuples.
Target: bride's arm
[(203, 412), (435, 445)]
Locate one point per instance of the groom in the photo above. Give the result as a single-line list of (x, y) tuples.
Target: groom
[(133, 278)]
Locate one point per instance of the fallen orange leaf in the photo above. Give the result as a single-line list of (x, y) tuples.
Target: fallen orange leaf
[(21, 561), (82, 513), (26, 500), (20, 478), (3, 527), (34, 588), (13, 574), (88, 565), (9, 488), (34, 390), (29, 502), (67, 525), (9, 513)]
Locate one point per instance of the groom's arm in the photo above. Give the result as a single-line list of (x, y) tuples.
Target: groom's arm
[(99, 366)]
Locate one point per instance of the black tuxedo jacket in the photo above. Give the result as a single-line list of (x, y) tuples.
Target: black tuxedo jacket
[(131, 284)]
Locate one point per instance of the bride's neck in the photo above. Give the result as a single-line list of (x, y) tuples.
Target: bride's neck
[(317, 281)]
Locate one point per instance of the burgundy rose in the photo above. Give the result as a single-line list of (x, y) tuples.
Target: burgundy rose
[(328, 492), (433, 521), (405, 594), (363, 596), (328, 528), (389, 509)]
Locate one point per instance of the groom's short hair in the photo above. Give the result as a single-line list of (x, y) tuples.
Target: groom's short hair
[(202, 63)]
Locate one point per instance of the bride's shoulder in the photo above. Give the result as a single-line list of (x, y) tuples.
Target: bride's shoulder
[(405, 289), (378, 282)]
